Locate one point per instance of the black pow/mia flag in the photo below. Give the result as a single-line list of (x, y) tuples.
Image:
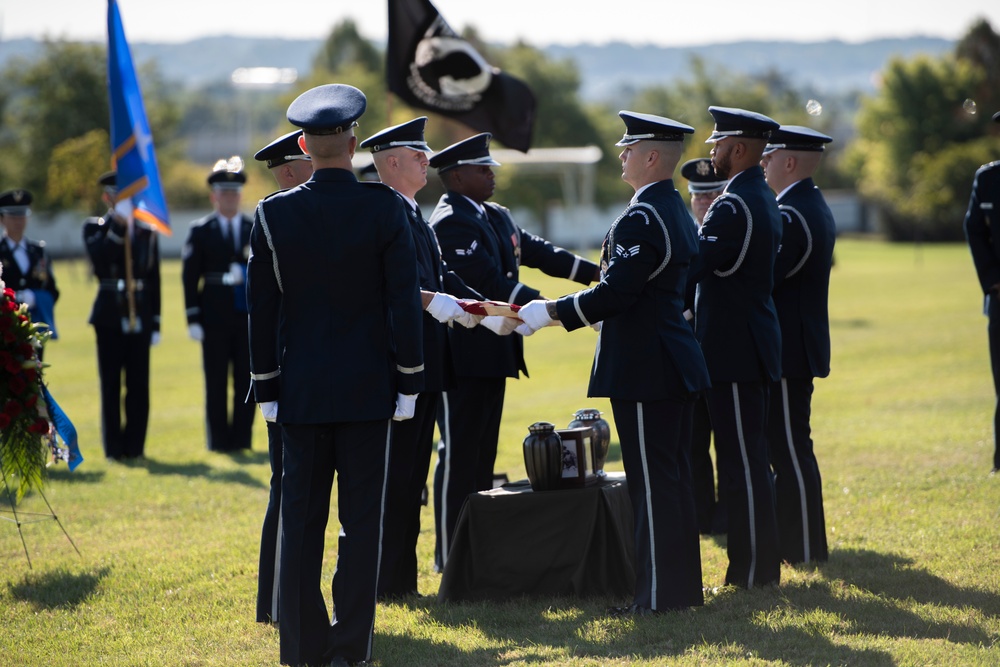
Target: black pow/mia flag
[(430, 67)]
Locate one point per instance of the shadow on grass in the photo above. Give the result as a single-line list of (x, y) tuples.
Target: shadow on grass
[(858, 594), (63, 474), (201, 470), (57, 590)]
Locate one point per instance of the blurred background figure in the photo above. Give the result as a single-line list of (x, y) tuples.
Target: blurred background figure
[(214, 263), (126, 318), (27, 267), (984, 243)]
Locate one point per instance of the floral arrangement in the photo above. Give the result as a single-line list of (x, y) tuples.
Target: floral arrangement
[(26, 432)]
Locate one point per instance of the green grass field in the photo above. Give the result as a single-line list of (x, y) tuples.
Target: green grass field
[(903, 434)]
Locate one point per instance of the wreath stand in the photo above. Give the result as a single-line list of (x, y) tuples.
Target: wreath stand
[(20, 518)]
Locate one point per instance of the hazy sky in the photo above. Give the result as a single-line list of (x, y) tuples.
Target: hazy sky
[(539, 22)]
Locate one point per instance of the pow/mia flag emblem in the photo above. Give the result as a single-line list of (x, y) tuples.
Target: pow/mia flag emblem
[(465, 252), (624, 252)]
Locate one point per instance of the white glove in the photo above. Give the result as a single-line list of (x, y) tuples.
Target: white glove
[(405, 405), (26, 296), (444, 308), (195, 332), (269, 410), (154, 340), (596, 326), (535, 314), (124, 209), (500, 325), (235, 274), (468, 320), (524, 329)]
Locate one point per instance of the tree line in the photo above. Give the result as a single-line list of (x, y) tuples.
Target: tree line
[(911, 147)]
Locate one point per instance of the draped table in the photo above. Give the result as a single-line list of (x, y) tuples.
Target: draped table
[(512, 541)]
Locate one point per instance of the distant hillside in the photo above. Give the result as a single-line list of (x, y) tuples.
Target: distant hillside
[(831, 66)]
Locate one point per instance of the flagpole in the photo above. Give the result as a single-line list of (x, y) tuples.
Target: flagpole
[(129, 273)]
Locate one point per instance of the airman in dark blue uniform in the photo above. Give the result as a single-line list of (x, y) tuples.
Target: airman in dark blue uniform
[(984, 243), (350, 361), (704, 186), (801, 293), (290, 167), (27, 267), (126, 320), (737, 326), (647, 360), (481, 243), (401, 157), (214, 275)]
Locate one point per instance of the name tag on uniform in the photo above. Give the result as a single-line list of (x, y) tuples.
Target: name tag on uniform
[(986, 206)]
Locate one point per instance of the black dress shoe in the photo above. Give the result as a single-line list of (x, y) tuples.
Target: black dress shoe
[(631, 610)]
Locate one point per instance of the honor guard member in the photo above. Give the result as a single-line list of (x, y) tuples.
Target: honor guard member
[(290, 167), (481, 243), (350, 361), (984, 243), (648, 361), (125, 257), (27, 267), (737, 326), (400, 156), (214, 275), (704, 185), (801, 292)]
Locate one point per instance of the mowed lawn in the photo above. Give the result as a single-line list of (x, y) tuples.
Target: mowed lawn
[(903, 433)]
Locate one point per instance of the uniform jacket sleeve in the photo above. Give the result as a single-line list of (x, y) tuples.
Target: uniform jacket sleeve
[(636, 254), (403, 293), (264, 301), (192, 268), (723, 238), (979, 219)]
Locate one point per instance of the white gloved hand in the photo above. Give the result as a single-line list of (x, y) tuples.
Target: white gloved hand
[(524, 329), (154, 340), (444, 308), (269, 410), (195, 332), (500, 325), (405, 405), (124, 209), (596, 326), (26, 296), (535, 314), (235, 274), (468, 320)]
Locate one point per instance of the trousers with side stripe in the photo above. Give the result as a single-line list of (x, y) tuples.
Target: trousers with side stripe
[(739, 416), (798, 489), (270, 534), (469, 421), (312, 453), (409, 461), (655, 439)]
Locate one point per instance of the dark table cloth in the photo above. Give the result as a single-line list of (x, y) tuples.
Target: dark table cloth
[(512, 541)]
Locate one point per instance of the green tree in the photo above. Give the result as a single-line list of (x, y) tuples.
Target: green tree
[(345, 46), (918, 113), (59, 98)]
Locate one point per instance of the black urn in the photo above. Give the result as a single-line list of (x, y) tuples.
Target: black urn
[(543, 456), (600, 441)]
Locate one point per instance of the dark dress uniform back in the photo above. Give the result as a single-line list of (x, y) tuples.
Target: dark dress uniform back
[(218, 303), (332, 275), (124, 327)]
